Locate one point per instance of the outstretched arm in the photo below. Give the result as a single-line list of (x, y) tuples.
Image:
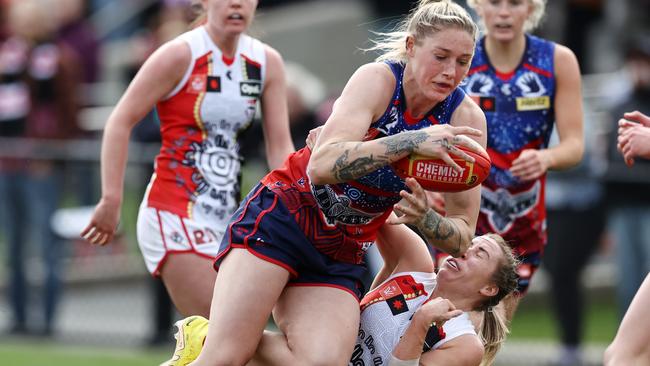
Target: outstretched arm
[(157, 77)]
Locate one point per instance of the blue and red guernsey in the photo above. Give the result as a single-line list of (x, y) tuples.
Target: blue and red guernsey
[(341, 220), (520, 115)]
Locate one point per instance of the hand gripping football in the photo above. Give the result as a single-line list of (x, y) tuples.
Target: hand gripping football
[(436, 175)]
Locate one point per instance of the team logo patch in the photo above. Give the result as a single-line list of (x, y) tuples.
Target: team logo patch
[(251, 89), (394, 297), (214, 84), (197, 84), (503, 208), (487, 104)]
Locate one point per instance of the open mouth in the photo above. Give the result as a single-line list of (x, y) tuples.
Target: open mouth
[(453, 264), (442, 85), (235, 16)]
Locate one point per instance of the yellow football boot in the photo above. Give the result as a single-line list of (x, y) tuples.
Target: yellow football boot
[(189, 340)]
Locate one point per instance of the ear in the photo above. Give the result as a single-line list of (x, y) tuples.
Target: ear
[(489, 290), (410, 45)]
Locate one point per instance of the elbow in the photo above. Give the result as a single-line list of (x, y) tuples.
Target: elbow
[(580, 152), (318, 175)]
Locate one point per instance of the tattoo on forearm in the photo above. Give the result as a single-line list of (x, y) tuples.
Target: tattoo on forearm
[(439, 229), (345, 170), (407, 142)]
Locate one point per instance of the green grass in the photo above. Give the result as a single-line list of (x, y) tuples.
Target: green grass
[(51, 354), (536, 321)]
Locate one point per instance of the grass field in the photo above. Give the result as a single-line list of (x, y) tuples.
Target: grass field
[(534, 322)]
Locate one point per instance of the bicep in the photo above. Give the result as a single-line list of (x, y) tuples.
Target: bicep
[(464, 205), (568, 95), (470, 114), (465, 350), (363, 100), (274, 100), (403, 250)]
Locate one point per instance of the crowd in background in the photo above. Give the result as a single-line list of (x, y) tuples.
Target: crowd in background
[(52, 62)]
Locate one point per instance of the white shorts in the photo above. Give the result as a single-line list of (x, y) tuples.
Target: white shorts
[(161, 233)]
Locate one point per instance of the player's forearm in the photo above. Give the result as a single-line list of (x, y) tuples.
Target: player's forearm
[(566, 154), (451, 235), (410, 345), (344, 161), (113, 161)]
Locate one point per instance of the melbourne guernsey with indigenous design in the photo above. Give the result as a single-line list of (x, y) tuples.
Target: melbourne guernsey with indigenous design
[(350, 213), (519, 111)]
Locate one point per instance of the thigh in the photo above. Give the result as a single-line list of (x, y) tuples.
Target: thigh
[(245, 292), (189, 279), (320, 324)]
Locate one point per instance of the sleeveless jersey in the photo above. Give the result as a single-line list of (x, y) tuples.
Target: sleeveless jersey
[(341, 220), (386, 313), (520, 115), (197, 172)]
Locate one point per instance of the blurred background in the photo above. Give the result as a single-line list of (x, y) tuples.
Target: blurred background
[(88, 305)]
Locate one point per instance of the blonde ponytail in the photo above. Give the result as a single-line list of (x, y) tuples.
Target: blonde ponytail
[(493, 332), (494, 327), (428, 18)]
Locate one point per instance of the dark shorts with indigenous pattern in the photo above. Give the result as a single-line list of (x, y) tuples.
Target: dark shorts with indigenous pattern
[(265, 227)]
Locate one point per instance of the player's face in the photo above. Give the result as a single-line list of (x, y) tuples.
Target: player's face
[(440, 61), (473, 271), (230, 16), (504, 19)]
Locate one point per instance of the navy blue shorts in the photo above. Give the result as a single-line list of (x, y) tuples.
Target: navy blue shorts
[(264, 226)]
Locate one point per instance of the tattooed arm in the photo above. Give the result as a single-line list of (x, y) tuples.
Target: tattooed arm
[(453, 232), (341, 155)]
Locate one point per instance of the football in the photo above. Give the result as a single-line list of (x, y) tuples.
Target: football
[(436, 175)]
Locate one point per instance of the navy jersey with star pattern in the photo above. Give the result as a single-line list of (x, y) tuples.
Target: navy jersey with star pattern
[(519, 110), (341, 220)]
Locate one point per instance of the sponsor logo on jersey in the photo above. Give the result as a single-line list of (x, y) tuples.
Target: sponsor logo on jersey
[(533, 103), (437, 172), (250, 89), (214, 84)]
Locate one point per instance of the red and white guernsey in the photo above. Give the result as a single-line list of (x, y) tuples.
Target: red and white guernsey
[(197, 172), (386, 312)]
